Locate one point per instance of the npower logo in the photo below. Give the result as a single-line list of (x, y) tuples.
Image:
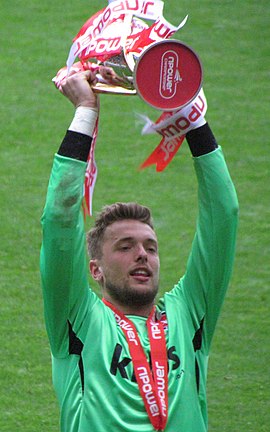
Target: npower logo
[(169, 74)]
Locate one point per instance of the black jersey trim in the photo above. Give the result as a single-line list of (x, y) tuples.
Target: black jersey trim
[(75, 344), (81, 367), (197, 374), (201, 140), (75, 145), (76, 347), (197, 344)]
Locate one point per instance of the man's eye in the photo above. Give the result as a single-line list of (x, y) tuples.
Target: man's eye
[(152, 249), (124, 248)]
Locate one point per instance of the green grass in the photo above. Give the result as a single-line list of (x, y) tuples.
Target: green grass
[(232, 40)]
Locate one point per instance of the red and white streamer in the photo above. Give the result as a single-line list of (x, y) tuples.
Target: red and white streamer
[(173, 126)]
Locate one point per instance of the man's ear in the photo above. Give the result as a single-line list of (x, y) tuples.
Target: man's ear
[(96, 271)]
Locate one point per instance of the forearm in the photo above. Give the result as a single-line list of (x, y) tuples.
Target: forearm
[(67, 177), (201, 140), (77, 141)]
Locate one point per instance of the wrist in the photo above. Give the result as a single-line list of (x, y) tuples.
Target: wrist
[(199, 123), (84, 120), (201, 140)]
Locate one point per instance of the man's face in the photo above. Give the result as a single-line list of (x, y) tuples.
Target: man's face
[(129, 268)]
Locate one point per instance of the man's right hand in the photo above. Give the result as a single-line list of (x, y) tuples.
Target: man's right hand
[(77, 88)]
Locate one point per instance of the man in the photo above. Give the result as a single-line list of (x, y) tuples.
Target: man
[(120, 364)]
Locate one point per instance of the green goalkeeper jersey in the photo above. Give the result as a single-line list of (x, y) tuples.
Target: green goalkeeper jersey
[(92, 369)]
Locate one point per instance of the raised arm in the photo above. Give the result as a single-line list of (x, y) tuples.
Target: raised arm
[(211, 259), (63, 262)]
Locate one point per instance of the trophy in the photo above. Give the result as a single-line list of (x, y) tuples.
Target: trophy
[(132, 57), (135, 58)]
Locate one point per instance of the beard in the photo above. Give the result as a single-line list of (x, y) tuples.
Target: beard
[(128, 296)]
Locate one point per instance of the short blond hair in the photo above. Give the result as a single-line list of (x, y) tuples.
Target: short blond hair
[(110, 214)]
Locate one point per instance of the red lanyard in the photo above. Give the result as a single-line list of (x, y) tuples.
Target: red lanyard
[(153, 386)]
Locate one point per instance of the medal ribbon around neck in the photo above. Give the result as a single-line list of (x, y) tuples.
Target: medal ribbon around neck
[(153, 385)]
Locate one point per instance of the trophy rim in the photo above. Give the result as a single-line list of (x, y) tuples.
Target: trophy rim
[(154, 44), (113, 89)]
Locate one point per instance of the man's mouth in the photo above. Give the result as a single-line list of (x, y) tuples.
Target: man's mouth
[(141, 274)]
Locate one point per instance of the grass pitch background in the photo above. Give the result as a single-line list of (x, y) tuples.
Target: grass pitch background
[(232, 40)]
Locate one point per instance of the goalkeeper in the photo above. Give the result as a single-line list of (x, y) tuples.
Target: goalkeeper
[(124, 363)]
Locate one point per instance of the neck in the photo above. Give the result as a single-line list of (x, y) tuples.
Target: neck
[(143, 310)]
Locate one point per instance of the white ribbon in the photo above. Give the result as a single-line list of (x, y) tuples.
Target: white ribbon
[(179, 122)]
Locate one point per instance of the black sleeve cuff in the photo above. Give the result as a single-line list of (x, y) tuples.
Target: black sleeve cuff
[(75, 145), (201, 140)]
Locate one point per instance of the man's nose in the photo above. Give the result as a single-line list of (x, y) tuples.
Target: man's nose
[(141, 254)]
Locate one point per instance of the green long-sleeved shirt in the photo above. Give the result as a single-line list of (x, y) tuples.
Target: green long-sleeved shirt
[(92, 369)]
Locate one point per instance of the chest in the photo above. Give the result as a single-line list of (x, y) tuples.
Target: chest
[(106, 352)]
